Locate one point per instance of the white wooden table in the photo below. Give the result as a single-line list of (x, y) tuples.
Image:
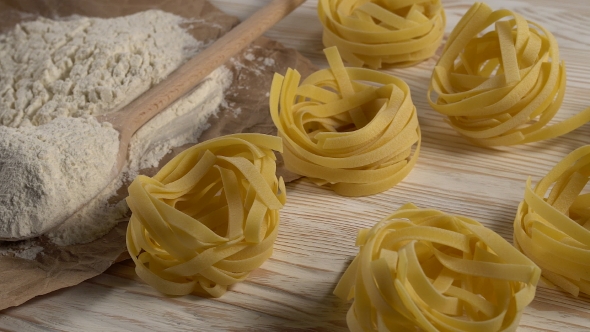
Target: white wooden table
[(293, 290)]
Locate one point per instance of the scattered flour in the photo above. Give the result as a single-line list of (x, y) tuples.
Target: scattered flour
[(47, 171), (257, 65), (23, 249), (268, 61), (54, 74), (29, 253), (249, 57)]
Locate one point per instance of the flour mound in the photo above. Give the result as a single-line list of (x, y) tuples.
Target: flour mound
[(49, 171), (86, 66)]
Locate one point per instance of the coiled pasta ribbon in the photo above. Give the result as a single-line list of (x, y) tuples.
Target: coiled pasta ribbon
[(554, 231), (377, 32), (353, 136), (209, 217), (439, 272), (501, 87)]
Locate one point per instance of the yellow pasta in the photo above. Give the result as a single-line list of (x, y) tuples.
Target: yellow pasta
[(502, 86), (552, 224), (351, 129), (209, 217), (421, 268), (375, 33)]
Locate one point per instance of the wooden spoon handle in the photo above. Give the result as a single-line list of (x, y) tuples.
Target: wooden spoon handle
[(186, 77)]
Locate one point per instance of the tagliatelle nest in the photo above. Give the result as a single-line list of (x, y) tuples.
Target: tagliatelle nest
[(554, 231), (209, 217), (501, 87), (383, 32), (352, 129), (421, 268)]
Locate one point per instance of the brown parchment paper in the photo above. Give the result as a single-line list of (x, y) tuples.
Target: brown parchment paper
[(245, 110)]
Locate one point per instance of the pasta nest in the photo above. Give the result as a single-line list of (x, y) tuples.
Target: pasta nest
[(501, 87), (351, 129), (439, 272), (208, 217), (383, 32), (554, 231)]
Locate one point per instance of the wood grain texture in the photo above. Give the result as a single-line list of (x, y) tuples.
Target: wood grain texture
[(293, 290)]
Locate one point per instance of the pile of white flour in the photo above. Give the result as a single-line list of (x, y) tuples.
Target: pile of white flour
[(86, 66), (52, 70), (45, 171)]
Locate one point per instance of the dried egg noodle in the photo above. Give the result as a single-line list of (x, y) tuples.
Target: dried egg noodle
[(439, 272), (502, 87), (378, 32), (554, 231), (209, 217), (353, 136)]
